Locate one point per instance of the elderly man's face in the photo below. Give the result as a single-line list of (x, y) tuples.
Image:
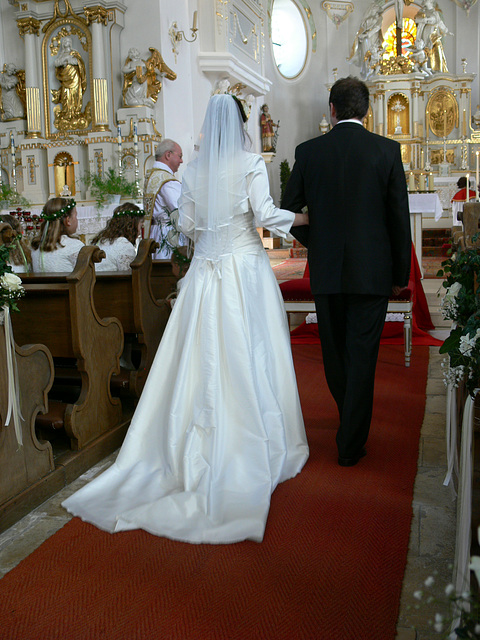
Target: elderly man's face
[(174, 158)]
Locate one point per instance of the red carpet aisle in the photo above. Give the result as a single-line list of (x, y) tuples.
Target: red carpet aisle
[(330, 567)]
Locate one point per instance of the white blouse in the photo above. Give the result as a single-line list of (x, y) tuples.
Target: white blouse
[(118, 255), (61, 259)]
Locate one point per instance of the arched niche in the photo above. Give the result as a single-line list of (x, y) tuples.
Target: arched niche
[(398, 115), (64, 172)]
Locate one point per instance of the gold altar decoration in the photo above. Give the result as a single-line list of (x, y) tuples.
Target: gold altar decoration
[(70, 73), (436, 156), (96, 14), (30, 26), (368, 120), (398, 115), (155, 68), (442, 110), (64, 172)]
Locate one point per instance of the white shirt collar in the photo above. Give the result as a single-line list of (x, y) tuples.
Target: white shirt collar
[(354, 120), (161, 165)]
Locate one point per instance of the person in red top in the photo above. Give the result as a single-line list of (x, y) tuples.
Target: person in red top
[(461, 195)]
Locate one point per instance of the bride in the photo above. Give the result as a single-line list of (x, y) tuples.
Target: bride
[(219, 422)]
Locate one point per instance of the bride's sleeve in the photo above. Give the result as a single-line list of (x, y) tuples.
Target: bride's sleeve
[(266, 213), (186, 213)]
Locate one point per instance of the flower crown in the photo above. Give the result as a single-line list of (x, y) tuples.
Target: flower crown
[(140, 213), (56, 215)]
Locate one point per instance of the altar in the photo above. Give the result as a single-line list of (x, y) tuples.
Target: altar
[(420, 203)]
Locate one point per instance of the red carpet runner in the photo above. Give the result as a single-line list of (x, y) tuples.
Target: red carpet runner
[(330, 567)]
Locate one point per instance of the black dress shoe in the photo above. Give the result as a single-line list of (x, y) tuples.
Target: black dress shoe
[(351, 462)]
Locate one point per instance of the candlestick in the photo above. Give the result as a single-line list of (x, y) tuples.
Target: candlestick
[(477, 154), (14, 167), (119, 140)]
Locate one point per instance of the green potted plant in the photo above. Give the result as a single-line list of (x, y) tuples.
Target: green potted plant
[(11, 198), (111, 183)]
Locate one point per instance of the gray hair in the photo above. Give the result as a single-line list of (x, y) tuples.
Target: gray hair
[(163, 147)]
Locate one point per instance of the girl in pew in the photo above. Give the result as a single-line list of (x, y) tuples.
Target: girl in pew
[(119, 238), (20, 258), (54, 248)]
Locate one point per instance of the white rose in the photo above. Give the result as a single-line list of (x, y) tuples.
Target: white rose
[(452, 291), (11, 282)]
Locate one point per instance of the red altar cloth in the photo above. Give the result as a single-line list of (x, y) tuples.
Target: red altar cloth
[(392, 331)]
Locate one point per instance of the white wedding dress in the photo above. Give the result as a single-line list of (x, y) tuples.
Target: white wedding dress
[(219, 422)]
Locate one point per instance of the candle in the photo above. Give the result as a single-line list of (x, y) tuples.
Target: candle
[(194, 28), (464, 123), (411, 182), (421, 159), (467, 188), (119, 139), (477, 173), (421, 182), (445, 123), (135, 137), (426, 124)]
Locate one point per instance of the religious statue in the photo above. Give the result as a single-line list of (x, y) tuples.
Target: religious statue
[(70, 72), (12, 88), (267, 126), (142, 78), (369, 38), (420, 58), (430, 30)]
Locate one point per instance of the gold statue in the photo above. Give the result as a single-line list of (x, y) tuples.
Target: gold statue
[(142, 78), (12, 92), (430, 30), (70, 72)]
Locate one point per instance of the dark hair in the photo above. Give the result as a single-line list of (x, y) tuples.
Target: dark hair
[(118, 226), (350, 97), (462, 182), (240, 108)]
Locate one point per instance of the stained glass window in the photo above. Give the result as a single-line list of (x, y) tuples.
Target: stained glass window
[(409, 35)]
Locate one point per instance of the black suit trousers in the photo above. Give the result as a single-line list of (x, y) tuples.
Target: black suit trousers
[(350, 327)]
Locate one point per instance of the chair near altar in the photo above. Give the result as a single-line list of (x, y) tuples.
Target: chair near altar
[(299, 299)]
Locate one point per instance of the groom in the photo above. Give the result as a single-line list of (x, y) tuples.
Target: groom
[(359, 248)]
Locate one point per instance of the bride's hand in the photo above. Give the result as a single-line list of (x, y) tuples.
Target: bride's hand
[(300, 219)]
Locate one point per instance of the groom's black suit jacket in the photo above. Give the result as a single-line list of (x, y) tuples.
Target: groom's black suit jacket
[(354, 186)]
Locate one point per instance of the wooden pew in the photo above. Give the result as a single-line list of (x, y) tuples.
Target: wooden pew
[(129, 297), (22, 467), (60, 313)]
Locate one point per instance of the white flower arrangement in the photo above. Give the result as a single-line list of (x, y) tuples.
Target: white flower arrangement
[(459, 610), (449, 305), (11, 290)]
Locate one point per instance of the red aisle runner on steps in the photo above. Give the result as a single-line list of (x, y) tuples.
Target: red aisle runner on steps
[(330, 567)]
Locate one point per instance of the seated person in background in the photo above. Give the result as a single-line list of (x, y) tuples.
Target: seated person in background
[(461, 195), (54, 248), (20, 257), (119, 238)]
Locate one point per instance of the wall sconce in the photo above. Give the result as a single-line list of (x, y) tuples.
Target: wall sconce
[(176, 35)]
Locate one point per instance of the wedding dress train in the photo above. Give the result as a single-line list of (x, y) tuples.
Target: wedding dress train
[(219, 422)]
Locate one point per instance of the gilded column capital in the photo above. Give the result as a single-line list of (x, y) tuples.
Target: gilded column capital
[(96, 14), (28, 26)]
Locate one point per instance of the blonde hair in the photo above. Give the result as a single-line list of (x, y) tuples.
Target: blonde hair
[(21, 252), (48, 237), (123, 223)]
